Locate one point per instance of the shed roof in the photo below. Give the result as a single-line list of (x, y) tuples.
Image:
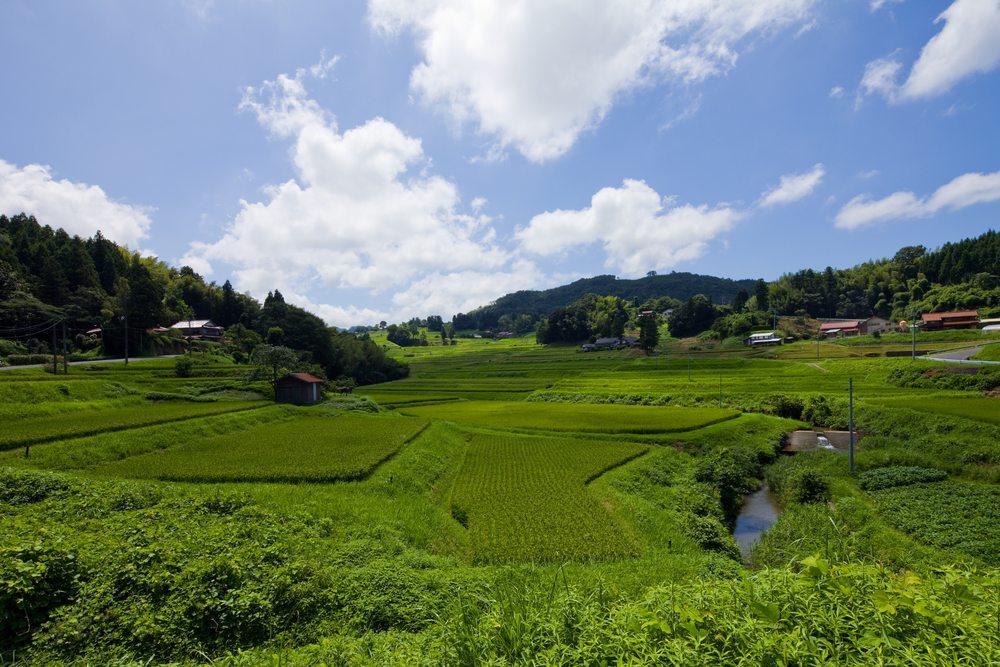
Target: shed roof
[(194, 324), (303, 377), (837, 325)]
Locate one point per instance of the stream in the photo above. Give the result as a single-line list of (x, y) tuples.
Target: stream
[(760, 511)]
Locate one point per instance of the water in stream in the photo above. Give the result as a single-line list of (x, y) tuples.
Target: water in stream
[(760, 511)]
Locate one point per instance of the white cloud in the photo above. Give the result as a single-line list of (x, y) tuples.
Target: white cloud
[(535, 75), (965, 190), (362, 211), (76, 207), (637, 228), (870, 173), (880, 78), (837, 92), (968, 44), (793, 187), (447, 293), (876, 5)]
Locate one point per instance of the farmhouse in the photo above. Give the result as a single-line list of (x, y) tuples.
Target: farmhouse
[(879, 325), (199, 330), (299, 388), (837, 328), (764, 338), (962, 319), (614, 343)]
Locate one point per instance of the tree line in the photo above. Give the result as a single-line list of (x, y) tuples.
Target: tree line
[(46, 275)]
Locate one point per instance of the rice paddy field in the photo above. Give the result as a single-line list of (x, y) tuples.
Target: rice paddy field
[(507, 503)]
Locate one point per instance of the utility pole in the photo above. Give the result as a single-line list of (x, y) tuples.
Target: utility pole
[(774, 314), (689, 367), (65, 355), (126, 334), (850, 417), (818, 334), (913, 334), (55, 359)]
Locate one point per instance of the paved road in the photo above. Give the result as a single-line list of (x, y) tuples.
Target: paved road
[(961, 356), (132, 360)]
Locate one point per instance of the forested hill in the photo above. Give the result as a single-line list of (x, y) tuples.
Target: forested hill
[(48, 277), (538, 303)]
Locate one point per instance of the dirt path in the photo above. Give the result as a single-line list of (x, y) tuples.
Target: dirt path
[(817, 366)]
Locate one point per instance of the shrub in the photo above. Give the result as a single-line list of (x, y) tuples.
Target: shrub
[(892, 476), (19, 487), (35, 579), (28, 359), (183, 367), (795, 482)]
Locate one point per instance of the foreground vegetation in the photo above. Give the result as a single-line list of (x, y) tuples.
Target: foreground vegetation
[(516, 504)]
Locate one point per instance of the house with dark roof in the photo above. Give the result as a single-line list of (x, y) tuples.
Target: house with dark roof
[(298, 389)]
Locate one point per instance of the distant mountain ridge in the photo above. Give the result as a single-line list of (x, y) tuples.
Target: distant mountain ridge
[(539, 303)]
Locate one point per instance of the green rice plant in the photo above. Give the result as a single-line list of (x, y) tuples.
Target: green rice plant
[(950, 515), (979, 408), (307, 449), (526, 499), (95, 450), (30, 431), (577, 418)]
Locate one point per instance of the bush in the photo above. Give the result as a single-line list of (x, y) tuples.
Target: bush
[(795, 482), (183, 367), (28, 359), (892, 476), (35, 579), (19, 487)]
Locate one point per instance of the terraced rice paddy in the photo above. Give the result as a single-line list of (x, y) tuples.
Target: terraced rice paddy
[(81, 423), (979, 408), (526, 499), (576, 418), (307, 449)]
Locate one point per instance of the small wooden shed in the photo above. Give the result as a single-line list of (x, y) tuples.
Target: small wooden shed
[(299, 388)]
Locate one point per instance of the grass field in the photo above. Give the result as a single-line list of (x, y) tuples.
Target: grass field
[(307, 449), (526, 499), (83, 423), (508, 504), (952, 515), (580, 418), (989, 353), (978, 408)]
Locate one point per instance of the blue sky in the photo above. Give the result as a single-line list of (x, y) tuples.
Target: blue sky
[(395, 158)]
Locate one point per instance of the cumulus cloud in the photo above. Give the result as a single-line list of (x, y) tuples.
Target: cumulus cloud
[(965, 190), (76, 207), (535, 75), (461, 291), (793, 187), (967, 44), (362, 211), (638, 229)]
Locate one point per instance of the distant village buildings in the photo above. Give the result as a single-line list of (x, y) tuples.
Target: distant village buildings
[(199, 330)]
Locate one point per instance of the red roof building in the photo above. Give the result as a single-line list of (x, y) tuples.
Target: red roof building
[(835, 328), (962, 319)]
